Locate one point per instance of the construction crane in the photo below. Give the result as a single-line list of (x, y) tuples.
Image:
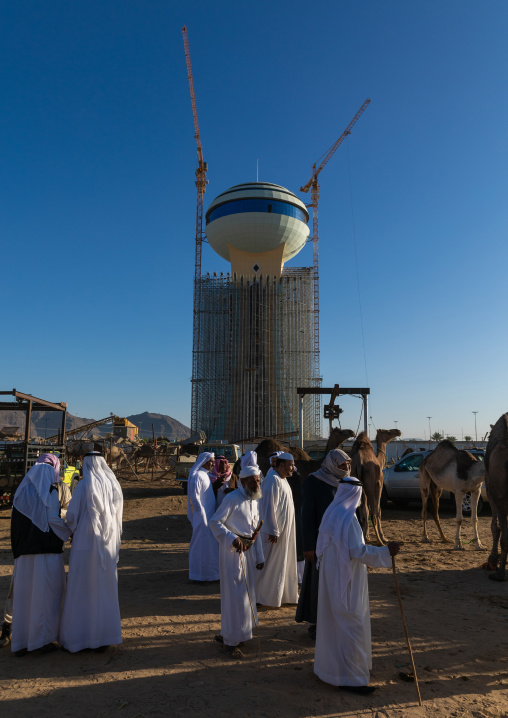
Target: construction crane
[(201, 183), (313, 186)]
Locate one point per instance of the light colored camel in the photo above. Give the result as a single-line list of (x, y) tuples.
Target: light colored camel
[(304, 464), (367, 466), (496, 482), (450, 469)]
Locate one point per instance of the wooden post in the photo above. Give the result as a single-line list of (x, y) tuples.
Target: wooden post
[(28, 426)]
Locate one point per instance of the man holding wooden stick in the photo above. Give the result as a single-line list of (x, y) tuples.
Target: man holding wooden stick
[(343, 640), (236, 527)]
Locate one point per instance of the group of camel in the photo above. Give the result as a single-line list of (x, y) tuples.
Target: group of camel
[(444, 469), (125, 454), (366, 464)]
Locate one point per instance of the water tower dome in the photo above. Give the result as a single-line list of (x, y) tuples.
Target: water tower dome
[(257, 218)]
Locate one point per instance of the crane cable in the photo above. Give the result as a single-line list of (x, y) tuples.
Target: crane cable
[(356, 262)]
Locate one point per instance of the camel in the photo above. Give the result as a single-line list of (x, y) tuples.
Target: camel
[(496, 482), (456, 470), (367, 466), (304, 464), (77, 449)]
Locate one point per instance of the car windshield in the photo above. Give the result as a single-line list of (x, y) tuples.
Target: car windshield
[(410, 463)]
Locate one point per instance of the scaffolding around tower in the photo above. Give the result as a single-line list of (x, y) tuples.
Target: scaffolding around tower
[(255, 349)]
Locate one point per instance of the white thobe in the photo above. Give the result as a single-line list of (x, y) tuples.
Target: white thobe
[(39, 588), (91, 613), (343, 644), (278, 582), (271, 471), (237, 516), (203, 548)]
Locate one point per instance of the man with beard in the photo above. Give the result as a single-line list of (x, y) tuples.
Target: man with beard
[(235, 525)]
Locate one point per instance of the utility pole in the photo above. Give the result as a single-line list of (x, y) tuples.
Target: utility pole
[(475, 432), (430, 433)]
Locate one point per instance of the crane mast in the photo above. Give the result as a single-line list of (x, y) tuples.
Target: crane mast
[(201, 183), (313, 186)]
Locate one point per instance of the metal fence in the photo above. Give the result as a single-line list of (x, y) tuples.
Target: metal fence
[(15, 460)]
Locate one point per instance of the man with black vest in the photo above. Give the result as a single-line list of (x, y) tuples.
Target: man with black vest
[(39, 576)]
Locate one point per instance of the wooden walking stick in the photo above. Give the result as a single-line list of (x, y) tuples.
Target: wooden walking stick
[(405, 630), (256, 622)]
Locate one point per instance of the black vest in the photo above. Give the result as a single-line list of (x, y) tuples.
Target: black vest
[(27, 539)]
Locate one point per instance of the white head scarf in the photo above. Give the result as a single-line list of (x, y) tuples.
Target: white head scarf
[(335, 527), (198, 464), (329, 471), (32, 495), (105, 505), (275, 455), (249, 471), (250, 458)]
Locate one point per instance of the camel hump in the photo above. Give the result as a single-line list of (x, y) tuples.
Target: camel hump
[(445, 454), (498, 435), (362, 442), (499, 430)]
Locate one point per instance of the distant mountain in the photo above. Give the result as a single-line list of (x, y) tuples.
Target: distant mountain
[(44, 423), (163, 425), (47, 423)]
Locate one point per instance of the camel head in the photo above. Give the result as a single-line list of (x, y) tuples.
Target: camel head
[(383, 436), (341, 435), (338, 437)]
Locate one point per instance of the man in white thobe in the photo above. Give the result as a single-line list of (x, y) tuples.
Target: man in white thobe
[(38, 580), (203, 548), (343, 640), (234, 525), (278, 583), (91, 612), (273, 459)]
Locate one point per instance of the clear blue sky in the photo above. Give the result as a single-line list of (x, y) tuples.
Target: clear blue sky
[(97, 205)]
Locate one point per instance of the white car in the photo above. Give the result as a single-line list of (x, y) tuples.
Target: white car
[(401, 483)]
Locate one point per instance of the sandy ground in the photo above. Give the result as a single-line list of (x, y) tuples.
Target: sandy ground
[(168, 664)]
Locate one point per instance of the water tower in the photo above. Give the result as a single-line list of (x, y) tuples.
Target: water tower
[(255, 322)]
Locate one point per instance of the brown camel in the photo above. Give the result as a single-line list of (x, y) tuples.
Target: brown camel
[(450, 469), (367, 466), (304, 464), (496, 482), (75, 450)]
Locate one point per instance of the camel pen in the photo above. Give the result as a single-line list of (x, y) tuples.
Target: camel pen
[(405, 630)]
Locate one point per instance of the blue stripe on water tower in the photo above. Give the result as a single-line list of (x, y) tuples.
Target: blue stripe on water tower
[(266, 205)]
